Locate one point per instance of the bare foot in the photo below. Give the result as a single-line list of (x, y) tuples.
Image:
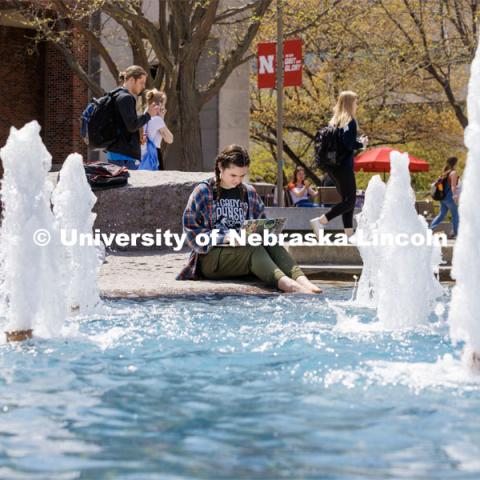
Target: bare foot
[(306, 283), (287, 285)]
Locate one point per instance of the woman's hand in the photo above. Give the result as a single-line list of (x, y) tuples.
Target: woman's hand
[(152, 109), (228, 241), (364, 141)]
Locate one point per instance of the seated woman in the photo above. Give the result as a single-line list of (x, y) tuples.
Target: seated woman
[(300, 190), (223, 203)]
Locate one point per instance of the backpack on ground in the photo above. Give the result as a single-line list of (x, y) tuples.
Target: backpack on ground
[(99, 127), (438, 187), (329, 150), (101, 175)]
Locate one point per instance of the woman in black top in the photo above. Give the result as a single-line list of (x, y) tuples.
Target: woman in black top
[(343, 176)]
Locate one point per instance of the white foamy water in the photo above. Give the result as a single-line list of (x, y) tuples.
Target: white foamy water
[(407, 286), (367, 226), (446, 372), (464, 315), (33, 284), (73, 201)]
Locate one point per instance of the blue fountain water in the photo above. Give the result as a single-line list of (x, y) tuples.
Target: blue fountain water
[(239, 387)]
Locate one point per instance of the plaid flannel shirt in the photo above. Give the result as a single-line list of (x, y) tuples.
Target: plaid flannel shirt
[(198, 218)]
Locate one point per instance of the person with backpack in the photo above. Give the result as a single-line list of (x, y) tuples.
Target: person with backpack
[(125, 150), (449, 182), (337, 161), (155, 131)]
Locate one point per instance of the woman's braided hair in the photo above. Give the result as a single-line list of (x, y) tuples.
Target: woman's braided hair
[(232, 155)]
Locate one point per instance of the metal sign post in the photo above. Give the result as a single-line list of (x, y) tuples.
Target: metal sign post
[(279, 83)]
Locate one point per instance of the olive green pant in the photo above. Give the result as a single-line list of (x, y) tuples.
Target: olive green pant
[(269, 264)]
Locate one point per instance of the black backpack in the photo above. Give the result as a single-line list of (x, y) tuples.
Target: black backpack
[(102, 175), (99, 128), (438, 188), (329, 150)]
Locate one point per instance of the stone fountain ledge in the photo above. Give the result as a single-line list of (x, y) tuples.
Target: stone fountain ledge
[(147, 274), (155, 200), (152, 274), (150, 201)]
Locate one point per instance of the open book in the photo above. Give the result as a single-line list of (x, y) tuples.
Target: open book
[(273, 225)]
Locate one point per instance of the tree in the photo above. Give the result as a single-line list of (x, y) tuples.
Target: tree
[(174, 45), (359, 47), (436, 38)]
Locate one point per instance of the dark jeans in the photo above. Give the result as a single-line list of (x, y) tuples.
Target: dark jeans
[(306, 203), (448, 203), (124, 163), (344, 179)]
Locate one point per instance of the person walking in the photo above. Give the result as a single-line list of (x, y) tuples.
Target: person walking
[(125, 150), (450, 201), (343, 176)]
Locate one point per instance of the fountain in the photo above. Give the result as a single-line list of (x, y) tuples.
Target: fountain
[(367, 223), (406, 284), (283, 376), (31, 251), (465, 303), (73, 201)]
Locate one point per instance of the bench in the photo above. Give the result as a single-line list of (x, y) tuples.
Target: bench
[(298, 218)]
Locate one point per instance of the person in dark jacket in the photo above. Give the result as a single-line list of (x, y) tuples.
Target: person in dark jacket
[(125, 151), (344, 176)]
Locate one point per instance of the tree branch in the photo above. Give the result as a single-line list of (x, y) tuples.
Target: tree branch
[(91, 37), (122, 16), (231, 12), (234, 58), (77, 68)]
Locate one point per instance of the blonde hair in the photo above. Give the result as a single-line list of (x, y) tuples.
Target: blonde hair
[(133, 71), (155, 96), (343, 112)]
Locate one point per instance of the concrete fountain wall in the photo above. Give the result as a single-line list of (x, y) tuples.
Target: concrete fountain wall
[(151, 200)]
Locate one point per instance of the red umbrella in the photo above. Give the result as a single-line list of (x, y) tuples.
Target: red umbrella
[(378, 160)]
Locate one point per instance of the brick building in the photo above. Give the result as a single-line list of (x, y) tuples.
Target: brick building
[(37, 84)]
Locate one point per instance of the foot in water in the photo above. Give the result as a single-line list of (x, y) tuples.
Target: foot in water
[(287, 285), (305, 282)]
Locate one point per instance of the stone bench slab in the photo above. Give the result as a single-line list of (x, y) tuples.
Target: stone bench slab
[(298, 218)]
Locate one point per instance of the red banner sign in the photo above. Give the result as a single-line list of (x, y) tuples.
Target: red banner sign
[(292, 63)]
